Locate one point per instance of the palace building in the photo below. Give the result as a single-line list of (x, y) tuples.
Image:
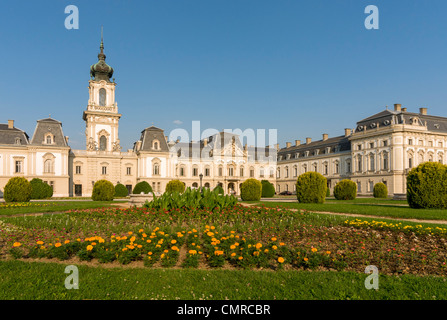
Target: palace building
[(220, 159)]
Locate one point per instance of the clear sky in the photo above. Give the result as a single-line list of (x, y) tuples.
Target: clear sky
[(301, 67)]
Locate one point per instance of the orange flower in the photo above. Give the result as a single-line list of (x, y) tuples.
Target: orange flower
[(280, 259), (89, 247), (16, 244), (57, 245)]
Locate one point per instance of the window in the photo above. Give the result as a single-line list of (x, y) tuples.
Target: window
[(421, 142), (295, 171), (17, 141), (305, 168), (129, 188), (207, 172), (18, 166), (287, 172), (371, 145), (128, 171), (348, 166), (252, 173), (195, 172), (156, 169), (220, 171), (315, 167), (410, 142), (272, 174), (182, 172), (359, 187), (337, 168), (156, 145), (104, 169), (102, 97), (78, 170), (51, 184), (440, 144), (326, 169), (241, 171), (230, 171), (278, 173), (102, 143), (359, 147), (410, 162), (359, 163), (385, 161), (430, 143), (372, 165), (48, 139), (48, 166), (385, 143), (371, 186)]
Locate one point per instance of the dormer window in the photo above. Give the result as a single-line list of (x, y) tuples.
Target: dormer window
[(48, 138), (17, 141), (156, 145)]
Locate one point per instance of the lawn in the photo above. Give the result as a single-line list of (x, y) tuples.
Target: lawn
[(172, 284), (15, 208), (364, 206), (243, 253)]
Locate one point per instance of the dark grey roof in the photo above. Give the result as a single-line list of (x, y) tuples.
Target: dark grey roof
[(13, 136), (45, 126), (388, 117), (150, 134), (333, 145)]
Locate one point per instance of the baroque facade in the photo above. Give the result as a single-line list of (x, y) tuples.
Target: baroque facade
[(219, 159), (381, 148)]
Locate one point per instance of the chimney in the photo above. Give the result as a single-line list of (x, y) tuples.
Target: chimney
[(397, 107), (277, 146), (166, 138), (297, 143), (10, 124), (423, 110), (308, 140), (288, 144), (205, 142), (347, 132), (66, 139), (404, 109), (325, 136)]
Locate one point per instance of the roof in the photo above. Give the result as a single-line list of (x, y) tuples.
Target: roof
[(12, 136), (151, 134), (52, 126)]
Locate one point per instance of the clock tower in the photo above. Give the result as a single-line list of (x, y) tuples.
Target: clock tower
[(101, 116)]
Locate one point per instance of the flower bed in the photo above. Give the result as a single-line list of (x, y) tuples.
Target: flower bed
[(236, 237)]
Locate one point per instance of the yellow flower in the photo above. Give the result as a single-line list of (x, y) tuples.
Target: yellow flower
[(141, 230), (16, 244), (173, 241), (305, 259), (233, 254), (280, 259), (273, 239), (314, 249), (210, 234), (256, 253), (281, 243), (258, 245), (149, 253), (232, 247), (57, 245), (39, 242), (174, 248), (240, 258), (274, 247), (218, 252), (129, 233), (124, 249), (67, 241), (192, 252), (89, 247)]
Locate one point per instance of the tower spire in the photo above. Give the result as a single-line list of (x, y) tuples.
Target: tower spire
[(102, 42)]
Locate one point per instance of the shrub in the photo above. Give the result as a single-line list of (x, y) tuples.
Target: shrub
[(427, 186), (251, 190), (142, 186), (268, 189), (18, 189), (311, 188), (328, 192), (121, 190), (40, 189), (380, 190), (175, 186), (103, 190), (345, 190), (219, 189)]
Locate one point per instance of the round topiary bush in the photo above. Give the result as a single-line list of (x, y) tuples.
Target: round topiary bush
[(175, 186), (427, 186), (311, 187), (345, 190), (18, 189), (251, 190), (380, 190), (142, 186), (268, 189), (103, 190), (40, 189), (121, 190)]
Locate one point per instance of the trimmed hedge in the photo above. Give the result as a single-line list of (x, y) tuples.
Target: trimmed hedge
[(427, 186), (121, 191), (345, 190), (175, 186), (311, 187), (251, 190), (142, 186), (103, 190), (18, 189), (380, 190), (40, 189), (268, 189)]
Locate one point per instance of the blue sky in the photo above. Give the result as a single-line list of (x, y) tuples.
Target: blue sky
[(301, 67)]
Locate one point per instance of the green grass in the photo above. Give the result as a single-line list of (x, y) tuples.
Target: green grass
[(56, 206), (365, 206), (38, 281)]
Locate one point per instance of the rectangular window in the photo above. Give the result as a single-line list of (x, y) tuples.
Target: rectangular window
[(359, 187), (19, 166), (241, 172), (410, 142), (182, 172), (128, 171), (337, 168), (220, 172), (78, 169), (252, 173), (371, 186), (230, 172), (359, 147), (207, 172), (371, 145), (78, 190), (385, 143), (195, 172), (104, 170)]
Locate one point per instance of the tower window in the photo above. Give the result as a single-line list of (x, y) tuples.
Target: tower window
[(102, 143), (102, 97)]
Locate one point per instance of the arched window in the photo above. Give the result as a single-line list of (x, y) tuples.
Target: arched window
[(102, 143), (372, 165), (48, 138), (156, 145), (102, 97), (156, 169), (48, 166)]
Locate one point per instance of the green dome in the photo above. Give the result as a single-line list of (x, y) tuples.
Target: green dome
[(101, 70)]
